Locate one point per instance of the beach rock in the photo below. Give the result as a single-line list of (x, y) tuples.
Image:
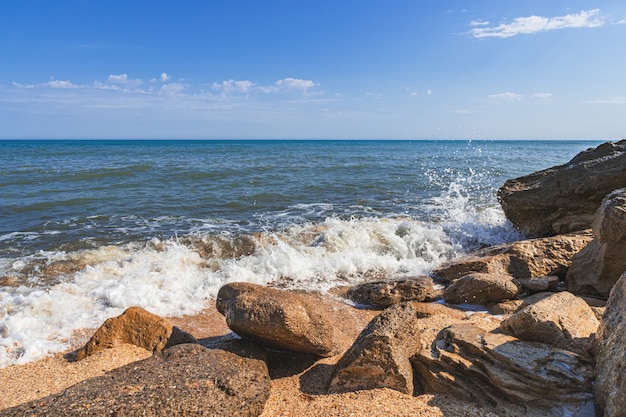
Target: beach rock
[(286, 320), (489, 368), (512, 306), (610, 386), (562, 320), (385, 293), (379, 358), (138, 327), (185, 380), (597, 267), (522, 259), (564, 198), (539, 284), (481, 289)]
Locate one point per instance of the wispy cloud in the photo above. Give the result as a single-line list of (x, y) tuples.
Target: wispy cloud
[(230, 87), (506, 97), (612, 100), (289, 84), (542, 96), (536, 24)]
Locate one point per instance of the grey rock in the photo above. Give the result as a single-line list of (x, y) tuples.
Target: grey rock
[(386, 293), (564, 198)]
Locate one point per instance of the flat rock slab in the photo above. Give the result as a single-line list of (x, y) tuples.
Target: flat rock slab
[(481, 289), (185, 380), (386, 293), (489, 368)]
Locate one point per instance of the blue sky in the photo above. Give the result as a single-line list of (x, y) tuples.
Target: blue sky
[(394, 69)]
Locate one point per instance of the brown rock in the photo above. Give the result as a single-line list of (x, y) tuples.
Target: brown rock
[(597, 267), (379, 358), (481, 289), (385, 293), (511, 306), (562, 320), (610, 370), (564, 198), (471, 363), (522, 259), (185, 380), (138, 327), (297, 322), (539, 284)]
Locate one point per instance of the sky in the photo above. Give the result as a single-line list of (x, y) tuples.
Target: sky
[(312, 69)]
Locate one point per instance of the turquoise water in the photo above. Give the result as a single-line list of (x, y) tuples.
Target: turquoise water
[(163, 224)]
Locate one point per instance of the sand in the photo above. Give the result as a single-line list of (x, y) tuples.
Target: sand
[(298, 381)]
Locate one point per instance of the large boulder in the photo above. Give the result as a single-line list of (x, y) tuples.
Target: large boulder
[(297, 322), (564, 198), (385, 293), (185, 380), (138, 327), (610, 370), (562, 320), (471, 363), (379, 358), (550, 256), (597, 267), (482, 289)]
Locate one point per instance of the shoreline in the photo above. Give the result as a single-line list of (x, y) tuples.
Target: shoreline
[(298, 382)]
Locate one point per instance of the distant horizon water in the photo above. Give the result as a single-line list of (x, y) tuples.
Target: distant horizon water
[(91, 227)]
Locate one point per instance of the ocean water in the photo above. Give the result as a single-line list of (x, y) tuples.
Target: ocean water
[(89, 228)]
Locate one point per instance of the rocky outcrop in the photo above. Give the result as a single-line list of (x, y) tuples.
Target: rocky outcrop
[(564, 198), (138, 327), (379, 358), (286, 320), (490, 368), (610, 386), (562, 320), (521, 259), (597, 267), (185, 380), (385, 293), (481, 289)]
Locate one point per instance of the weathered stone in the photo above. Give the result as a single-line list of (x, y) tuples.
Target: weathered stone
[(468, 362), (385, 293), (610, 370), (286, 320), (562, 320), (138, 327), (521, 259), (185, 380), (379, 358), (597, 267), (483, 289), (564, 198), (539, 284), (511, 306)]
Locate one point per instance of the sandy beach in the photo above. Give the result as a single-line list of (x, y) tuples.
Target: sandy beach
[(298, 381)]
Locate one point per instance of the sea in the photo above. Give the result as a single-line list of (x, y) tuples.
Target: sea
[(89, 228)]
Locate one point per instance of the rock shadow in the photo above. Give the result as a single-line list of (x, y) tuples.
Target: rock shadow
[(315, 380)]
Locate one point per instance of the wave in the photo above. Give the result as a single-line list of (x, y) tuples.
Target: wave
[(48, 297)]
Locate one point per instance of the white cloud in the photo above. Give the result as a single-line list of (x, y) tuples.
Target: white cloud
[(542, 96), (479, 23), (61, 84), (508, 96), (289, 84), (164, 77), (18, 85), (119, 79), (535, 24), (233, 86), (171, 88)]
